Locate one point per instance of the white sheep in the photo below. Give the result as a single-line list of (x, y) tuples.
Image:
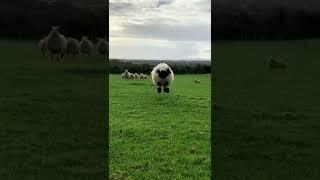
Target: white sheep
[(131, 76), (277, 63), (142, 76), (136, 76), (126, 75), (86, 46), (102, 46), (145, 77), (42, 45), (56, 43), (162, 76), (73, 46)]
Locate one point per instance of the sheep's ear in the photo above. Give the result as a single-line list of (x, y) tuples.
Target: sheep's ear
[(168, 70)]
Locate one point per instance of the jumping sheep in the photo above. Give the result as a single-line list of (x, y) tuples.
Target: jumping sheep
[(86, 46), (162, 76), (56, 43)]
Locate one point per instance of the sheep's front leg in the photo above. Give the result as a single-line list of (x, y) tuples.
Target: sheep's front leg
[(166, 88), (159, 87)]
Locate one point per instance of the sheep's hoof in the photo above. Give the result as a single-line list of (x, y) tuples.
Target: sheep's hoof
[(159, 89), (166, 90)]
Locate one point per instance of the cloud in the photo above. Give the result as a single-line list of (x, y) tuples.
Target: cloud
[(180, 24), (164, 2)]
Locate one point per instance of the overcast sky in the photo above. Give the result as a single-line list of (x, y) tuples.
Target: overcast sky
[(160, 29)]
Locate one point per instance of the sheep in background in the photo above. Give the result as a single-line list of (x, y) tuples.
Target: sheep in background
[(162, 76), (102, 46), (131, 76), (142, 76), (73, 46), (136, 76), (42, 45), (277, 63), (196, 81), (86, 46), (145, 77), (126, 75), (56, 44)]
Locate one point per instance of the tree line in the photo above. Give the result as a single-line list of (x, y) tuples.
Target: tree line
[(21, 19), (278, 23), (118, 67)]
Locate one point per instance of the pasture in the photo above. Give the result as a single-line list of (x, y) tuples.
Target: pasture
[(52, 115), (160, 136), (266, 121)]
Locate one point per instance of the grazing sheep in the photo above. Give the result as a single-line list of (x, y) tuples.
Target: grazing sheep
[(42, 45), (56, 44), (277, 63), (86, 46), (73, 46), (102, 46), (196, 81), (162, 76)]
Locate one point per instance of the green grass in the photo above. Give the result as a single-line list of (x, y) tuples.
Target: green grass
[(164, 136), (266, 121), (52, 116)]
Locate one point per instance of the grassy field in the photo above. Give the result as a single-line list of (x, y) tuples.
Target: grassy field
[(266, 121), (164, 136), (52, 116)]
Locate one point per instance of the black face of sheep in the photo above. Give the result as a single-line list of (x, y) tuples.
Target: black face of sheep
[(163, 74)]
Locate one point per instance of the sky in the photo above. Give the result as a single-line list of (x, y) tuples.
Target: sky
[(160, 29)]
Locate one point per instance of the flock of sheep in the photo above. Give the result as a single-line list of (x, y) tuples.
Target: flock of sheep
[(127, 75), (56, 45)]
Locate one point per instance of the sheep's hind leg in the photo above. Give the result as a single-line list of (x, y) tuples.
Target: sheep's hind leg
[(159, 87), (166, 89)]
